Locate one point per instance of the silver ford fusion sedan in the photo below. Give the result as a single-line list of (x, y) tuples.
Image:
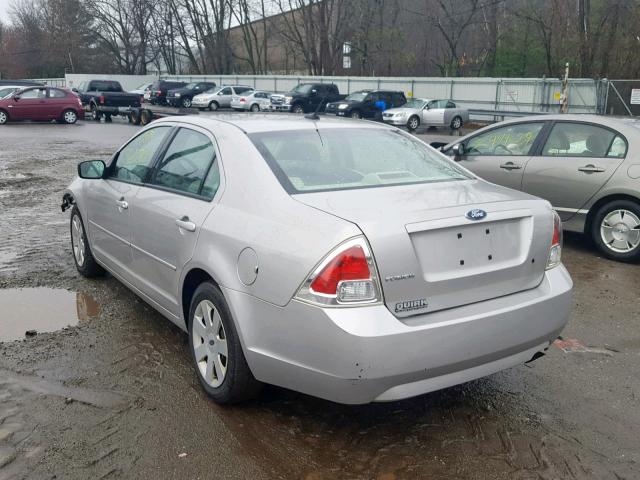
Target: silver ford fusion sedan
[(343, 259)]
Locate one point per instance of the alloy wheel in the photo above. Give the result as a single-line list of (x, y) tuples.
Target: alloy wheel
[(620, 231), (70, 116), (186, 102), (255, 107), (3, 118), (77, 240), (210, 344), (457, 123), (413, 123)]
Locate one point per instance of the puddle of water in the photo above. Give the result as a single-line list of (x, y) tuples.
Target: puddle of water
[(42, 310)]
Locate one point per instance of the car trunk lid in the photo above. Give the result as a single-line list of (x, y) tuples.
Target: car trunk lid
[(431, 256)]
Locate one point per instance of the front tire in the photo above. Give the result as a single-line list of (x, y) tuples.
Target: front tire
[(456, 123), (216, 350), (355, 114), (186, 102), (413, 123), (616, 230), (213, 106), (297, 108), (4, 117), (95, 114), (69, 117), (82, 255)]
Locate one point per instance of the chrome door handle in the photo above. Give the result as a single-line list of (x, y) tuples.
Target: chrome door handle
[(510, 166), (122, 204), (590, 169), (185, 224)]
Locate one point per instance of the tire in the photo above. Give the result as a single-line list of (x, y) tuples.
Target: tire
[(4, 117), (146, 117), (134, 116), (80, 248), (186, 102), (255, 108), (95, 114), (69, 117), (456, 123), (217, 354), (213, 106), (355, 114), (413, 123), (297, 108), (615, 230)]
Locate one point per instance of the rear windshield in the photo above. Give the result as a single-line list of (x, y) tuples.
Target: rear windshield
[(341, 159), (105, 86), (357, 96)]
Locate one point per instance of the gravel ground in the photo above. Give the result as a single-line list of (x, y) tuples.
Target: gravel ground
[(116, 397)]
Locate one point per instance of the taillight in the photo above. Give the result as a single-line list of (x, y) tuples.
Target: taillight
[(347, 276), (101, 99), (242, 99), (555, 252), (159, 92)]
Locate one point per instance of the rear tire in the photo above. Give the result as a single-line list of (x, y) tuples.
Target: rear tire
[(615, 230), (255, 108), (95, 114), (4, 117), (69, 117), (146, 117), (413, 123), (297, 109), (217, 354), (82, 256), (456, 123), (134, 117)]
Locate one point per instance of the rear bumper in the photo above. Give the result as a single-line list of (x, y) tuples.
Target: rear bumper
[(240, 106), (360, 355)]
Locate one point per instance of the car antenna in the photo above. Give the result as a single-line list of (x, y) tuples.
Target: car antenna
[(314, 115)]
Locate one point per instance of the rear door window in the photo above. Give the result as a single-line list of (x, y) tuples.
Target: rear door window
[(135, 159), (55, 93), (186, 164), (569, 139)]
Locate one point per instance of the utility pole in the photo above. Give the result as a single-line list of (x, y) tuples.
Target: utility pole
[(564, 105), (584, 11)]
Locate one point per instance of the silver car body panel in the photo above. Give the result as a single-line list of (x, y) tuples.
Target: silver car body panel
[(219, 95), (573, 193), (252, 98), (356, 354)]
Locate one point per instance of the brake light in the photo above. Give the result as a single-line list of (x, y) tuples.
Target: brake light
[(242, 99), (159, 92), (555, 252), (101, 99), (346, 276)]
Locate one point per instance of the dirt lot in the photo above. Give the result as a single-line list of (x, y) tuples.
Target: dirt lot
[(115, 396)]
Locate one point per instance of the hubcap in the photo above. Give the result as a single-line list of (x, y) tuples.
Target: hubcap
[(210, 344), (186, 102), (3, 117), (620, 231), (456, 123), (414, 123), (77, 240), (70, 117)]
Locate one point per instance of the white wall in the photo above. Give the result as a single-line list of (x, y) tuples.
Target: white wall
[(128, 82)]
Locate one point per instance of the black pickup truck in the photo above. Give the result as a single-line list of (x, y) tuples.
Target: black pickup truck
[(306, 97), (107, 98)]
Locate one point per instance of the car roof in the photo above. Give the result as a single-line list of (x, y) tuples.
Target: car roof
[(579, 117), (270, 122)]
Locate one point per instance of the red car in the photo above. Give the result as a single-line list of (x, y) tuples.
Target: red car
[(41, 103)]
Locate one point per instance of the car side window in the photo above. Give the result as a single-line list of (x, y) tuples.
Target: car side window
[(226, 91), (515, 139), (432, 104), (55, 93), (134, 160), (186, 162), (34, 93), (618, 148), (450, 104), (568, 139)]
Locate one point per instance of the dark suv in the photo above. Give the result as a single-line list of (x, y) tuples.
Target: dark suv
[(181, 97), (159, 89), (366, 104)]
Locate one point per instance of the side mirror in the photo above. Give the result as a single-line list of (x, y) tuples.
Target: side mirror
[(91, 169), (314, 92), (75, 90), (458, 151), (16, 98)]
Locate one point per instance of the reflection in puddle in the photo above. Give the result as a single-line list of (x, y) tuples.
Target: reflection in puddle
[(42, 310)]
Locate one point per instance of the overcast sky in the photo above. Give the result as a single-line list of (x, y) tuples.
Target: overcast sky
[(4, 8)]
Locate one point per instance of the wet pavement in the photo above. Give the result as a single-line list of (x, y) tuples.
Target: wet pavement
[(115, 396)]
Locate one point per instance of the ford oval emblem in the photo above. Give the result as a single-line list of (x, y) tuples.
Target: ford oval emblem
[(476, 214)]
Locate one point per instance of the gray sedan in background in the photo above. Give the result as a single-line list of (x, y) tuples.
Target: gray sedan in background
[(339, 258), (429, 113), (253, 101), (587, 166)]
